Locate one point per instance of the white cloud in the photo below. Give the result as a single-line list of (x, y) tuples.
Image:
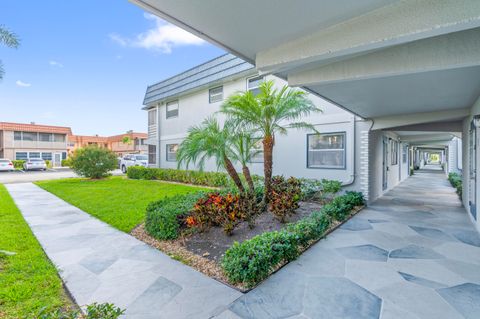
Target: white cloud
[(23, 84), (162, 37), (55, 63)]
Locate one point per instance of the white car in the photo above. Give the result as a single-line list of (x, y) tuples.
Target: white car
[(6, 165), (35, 163), (133, 160)]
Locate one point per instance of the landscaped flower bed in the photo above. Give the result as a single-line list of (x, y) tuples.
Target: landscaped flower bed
[(212, 233)]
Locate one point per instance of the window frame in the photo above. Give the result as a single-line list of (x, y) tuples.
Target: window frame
[(36, 153), (344, 134), (152, 114), (21, 159), (50, 137), (393, 152), (152, 154), (167, 152), (210, 101), (261, 77), (46, 158), (32, 134), (15, 133), (166, 109)]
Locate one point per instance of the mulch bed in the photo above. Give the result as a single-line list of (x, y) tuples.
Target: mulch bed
[(204, 251)]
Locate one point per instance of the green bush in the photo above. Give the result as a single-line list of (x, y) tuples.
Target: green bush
[(213, 179), (66, 162), (164, 217), (18, 164), (314, 189), (93, 311), (93, 162), (456, 181), (253, 260)]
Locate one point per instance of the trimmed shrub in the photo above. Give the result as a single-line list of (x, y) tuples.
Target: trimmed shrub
[(93, 311), (456, 181), (165, 217), (253, 260), (213, 179), (66, 162), (18, 164), (323, 190), (93, 162)]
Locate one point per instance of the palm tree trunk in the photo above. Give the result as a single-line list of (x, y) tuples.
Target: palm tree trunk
[(267, 165), (248, 177), (233, 174)]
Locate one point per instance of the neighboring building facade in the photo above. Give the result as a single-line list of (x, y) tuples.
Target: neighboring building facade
[(116, 143), (24, 141), (339, 152)]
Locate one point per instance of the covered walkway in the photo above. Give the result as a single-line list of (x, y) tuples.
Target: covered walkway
[(411, 254)]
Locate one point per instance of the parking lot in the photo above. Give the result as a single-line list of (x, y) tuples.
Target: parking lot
[(32, 176)]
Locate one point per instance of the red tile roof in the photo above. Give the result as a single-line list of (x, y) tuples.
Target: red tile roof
[(6, 126)]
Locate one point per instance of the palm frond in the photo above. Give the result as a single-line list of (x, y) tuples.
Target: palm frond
[(8, 38)]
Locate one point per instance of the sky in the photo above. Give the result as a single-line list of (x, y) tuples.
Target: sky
[(86, 63)]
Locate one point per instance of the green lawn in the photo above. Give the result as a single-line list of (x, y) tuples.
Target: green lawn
[(117, 201), (28, 280)]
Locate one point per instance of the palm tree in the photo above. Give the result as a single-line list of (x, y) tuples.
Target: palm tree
[(243, 146), (271, 111), (9, 39), (209, 140)]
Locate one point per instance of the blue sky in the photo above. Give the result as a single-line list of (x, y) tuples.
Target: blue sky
[(86, 63)]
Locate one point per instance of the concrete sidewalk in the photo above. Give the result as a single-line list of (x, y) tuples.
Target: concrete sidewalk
[(413, 253), (101, 264)]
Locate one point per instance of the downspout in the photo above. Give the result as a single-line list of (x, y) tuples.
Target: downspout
[(352, 178)]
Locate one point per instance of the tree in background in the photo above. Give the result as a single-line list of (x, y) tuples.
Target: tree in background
[(9, 39), (270, 112), (127, 140), (93, 162)]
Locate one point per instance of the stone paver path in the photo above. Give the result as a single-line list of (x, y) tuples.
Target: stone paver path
[(412, 254), (101, 264)]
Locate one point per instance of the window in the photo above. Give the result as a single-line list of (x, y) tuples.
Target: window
[(172, 152), (257, 152), (404, 153), (152, 117), (64, 155), (152, 154), (172, 109), (29, 136), (326, 150), (17, 136), (254, 83), (47, 156), (21, 156), (394, 152), (215, 94), (60, 138), (45, 137), (34, 155)]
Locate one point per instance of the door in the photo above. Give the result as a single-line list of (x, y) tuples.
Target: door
[(385, 163), (472, 189), (57, 160)]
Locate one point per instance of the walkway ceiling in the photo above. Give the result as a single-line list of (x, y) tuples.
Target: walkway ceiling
[(376, 58)]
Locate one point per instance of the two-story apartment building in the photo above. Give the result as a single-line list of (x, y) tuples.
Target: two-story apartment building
[(24, 141), (115, 143), (339, 152)]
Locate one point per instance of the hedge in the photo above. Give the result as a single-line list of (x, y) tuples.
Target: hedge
[(456, 181), (212, 179), (18, 164), (162, 218), (253, 260)]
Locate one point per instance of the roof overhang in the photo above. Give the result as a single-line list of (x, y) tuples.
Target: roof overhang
[(376, 58)]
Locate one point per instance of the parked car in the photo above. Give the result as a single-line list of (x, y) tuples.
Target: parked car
[(6, 165), (133, 160), (35, 164)]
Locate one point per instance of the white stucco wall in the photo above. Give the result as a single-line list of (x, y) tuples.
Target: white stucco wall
[(467, 192)]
